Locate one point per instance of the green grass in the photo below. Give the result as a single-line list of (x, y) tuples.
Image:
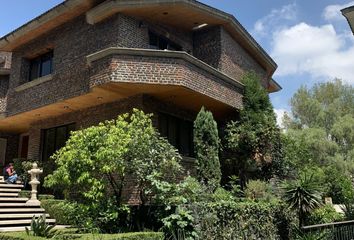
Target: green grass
[(87, 236)]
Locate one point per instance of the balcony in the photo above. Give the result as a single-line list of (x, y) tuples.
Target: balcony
[(167, 75)]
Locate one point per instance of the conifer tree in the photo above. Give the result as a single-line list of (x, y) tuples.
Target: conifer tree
[(207, 144)]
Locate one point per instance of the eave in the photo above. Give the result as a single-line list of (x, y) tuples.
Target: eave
[(348, 13), (47, 21)]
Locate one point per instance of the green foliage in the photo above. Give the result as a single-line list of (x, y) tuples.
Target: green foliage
[(258, 190), (339, 186), (255, 138), (207, 144), (320, 135), (240, 220), (348, 210), (65, 236), (22, 166), (62, 211), (322, 105), (303, 196), (95, 162), (40, 228), (324, 214)]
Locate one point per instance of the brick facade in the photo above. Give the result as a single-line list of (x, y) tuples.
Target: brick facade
[(217, 78)]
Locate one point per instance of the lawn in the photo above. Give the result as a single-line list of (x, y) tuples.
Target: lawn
[(87, 236)]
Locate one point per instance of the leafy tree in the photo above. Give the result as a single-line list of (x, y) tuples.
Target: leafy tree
[(254, 138), (207, 144), (98, 162), (303, 196), (322, 105)]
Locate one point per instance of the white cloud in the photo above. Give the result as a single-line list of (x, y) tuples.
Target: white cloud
[(280, 113), (332, 12), (276, 18), (316, 50)]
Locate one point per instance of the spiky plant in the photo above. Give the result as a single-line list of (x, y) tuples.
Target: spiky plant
[(303, 196)]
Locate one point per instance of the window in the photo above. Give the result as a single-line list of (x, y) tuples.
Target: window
[(179, 133), (41, 66), (162, 43), (55, 138)]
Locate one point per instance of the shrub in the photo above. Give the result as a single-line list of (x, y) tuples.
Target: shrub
[(64, 236), (60, 210), (240, 220), (40, 228), (95, 163), (325, 214), (258, 190)]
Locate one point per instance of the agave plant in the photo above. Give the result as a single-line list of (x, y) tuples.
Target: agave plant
[(303, 196), (40, 228)]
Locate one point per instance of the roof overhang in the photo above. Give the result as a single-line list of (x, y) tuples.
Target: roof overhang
[(349, 15), (47, 21), (274, 86), (185, 15)]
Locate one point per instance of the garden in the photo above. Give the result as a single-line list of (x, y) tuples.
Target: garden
[(252, 180)]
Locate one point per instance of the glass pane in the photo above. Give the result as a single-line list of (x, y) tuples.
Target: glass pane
[(46, 64), (153, 40), (71, 128), (48, 143), (61, 137), (184, 138), (34, 69), (172, 131), (163, 126)]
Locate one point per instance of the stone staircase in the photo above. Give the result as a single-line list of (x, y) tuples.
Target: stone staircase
[(15, 214)]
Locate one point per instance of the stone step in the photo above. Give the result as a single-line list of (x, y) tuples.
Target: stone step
[(21, 221), (22, 210), (8, 194), (11, 185), (10, 190), (5, 199), (3, 182), (21, 229), (23, 215), (6, 205)]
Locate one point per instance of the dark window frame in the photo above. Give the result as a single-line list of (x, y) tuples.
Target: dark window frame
[(184, 146), (158, 41), (44, 142), (37, 65)]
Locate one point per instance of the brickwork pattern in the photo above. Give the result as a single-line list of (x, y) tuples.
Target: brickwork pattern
[(165, 71), (235, 61)]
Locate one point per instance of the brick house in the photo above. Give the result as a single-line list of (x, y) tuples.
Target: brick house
[(86, 61)]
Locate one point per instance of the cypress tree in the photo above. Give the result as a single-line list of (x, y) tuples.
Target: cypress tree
[(207, 144)]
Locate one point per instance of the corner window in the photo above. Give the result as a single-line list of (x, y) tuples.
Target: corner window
[(41, 66), (55, 138), (159, 42), (179, 133)]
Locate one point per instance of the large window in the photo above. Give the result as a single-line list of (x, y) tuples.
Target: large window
[(54, 139), (41, 66), (162, 43), (179, 133)]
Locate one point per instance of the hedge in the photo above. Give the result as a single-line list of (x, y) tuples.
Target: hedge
[(121, 236), (241, 220), (59, 210)]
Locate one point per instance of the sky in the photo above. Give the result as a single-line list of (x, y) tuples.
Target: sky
[(309, 39)]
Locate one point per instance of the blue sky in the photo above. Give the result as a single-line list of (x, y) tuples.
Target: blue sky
[(310, 40)]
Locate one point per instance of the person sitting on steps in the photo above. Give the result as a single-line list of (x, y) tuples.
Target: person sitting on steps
[(10, 174)]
